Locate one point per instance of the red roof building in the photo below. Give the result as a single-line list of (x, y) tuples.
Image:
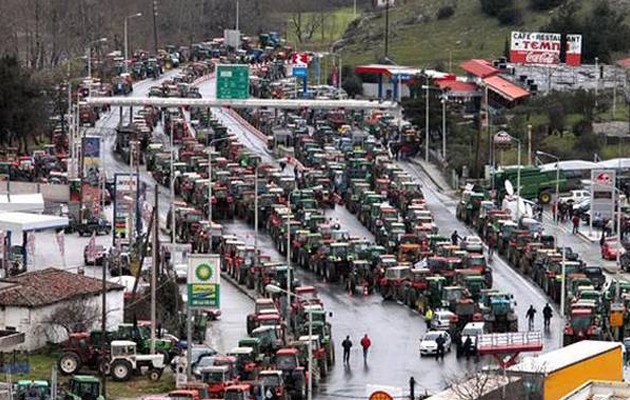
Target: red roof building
[(506, 89), (479, 68)]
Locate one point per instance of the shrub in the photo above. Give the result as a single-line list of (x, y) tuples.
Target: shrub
[(445, 12)]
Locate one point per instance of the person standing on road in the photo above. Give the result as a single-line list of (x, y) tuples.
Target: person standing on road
[(365, 344), (531, 313), (428, 316), (439, 353), (347, 345), (547, 314), (467, 347), (576, 223)]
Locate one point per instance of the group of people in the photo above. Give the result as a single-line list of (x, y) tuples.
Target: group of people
[(531, 315), (365, 343)]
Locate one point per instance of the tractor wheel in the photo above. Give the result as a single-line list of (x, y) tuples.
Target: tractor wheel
[(121, 370), (103, 366), (69, 363), (544, 197), (155, 374), (324, 369)]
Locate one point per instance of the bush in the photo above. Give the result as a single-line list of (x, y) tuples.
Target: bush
[(543, 5), (494, 7), (445, 12), (510, 15)]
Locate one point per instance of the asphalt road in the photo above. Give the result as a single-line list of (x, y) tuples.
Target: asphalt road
[(394, 329)]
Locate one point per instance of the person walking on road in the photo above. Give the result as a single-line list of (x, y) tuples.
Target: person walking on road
[(428, 316), (531, 313), (365, 344), (439, 354), (454, 237), (576, 223), (547, 314), (347, 345), (467, 347)]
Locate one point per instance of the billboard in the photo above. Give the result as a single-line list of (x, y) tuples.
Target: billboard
[(544, 48), (125, 194), (204, 280), (602, 193)]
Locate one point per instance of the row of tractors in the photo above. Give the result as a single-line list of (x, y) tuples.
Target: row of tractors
[(527, 249), (410, 262)]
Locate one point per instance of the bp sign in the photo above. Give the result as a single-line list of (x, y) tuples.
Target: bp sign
[(204, 280), (232, 81)]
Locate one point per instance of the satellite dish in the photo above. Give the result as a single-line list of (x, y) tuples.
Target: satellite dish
[(509, 188)]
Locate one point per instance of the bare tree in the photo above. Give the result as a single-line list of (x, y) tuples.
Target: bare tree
[(77, 315), (473, 385)]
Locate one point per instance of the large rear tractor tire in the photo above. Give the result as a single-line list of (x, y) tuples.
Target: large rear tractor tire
[(69, 363), (121, 370)]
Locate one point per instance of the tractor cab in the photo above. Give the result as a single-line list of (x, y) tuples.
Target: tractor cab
[(84, 387)]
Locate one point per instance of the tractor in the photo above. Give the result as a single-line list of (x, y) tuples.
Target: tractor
[(293, 374), (84, 387)]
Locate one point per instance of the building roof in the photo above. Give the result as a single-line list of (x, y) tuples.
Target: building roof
[(48, 286), (562, 358), (505, 88), (479, 68), (608, 390), (624, 63), (21, 221), (457, 87)]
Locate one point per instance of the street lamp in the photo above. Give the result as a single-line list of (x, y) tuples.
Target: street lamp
[(273, 289), (88, 53), (126, 39), (426, 120), (256, 208), (563, 289), (444, 100)]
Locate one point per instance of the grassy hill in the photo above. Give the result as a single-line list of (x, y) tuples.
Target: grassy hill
[(416, 36)]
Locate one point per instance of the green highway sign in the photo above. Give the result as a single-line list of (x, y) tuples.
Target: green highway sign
[(232, 81)]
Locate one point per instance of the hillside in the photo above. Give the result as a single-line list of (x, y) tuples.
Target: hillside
[(417, 37)]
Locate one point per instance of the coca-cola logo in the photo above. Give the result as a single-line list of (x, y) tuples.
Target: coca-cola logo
[(541, 58)]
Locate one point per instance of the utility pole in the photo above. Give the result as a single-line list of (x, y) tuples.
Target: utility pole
[(155, 33), (387, 29), (104, 328), (154, 268)]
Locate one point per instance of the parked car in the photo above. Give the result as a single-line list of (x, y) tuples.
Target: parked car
[(97, 258), (442, 319), (428, 345), (610, 249), (473, 330), (576, 196), (472, 244), (198, 351)]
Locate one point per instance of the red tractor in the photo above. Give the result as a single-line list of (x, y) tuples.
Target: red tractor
[(293, 374), (261, 305), (82, 349)]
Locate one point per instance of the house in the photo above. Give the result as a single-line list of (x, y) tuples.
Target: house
[(28, 301)]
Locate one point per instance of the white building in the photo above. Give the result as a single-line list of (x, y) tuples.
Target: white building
[(27, 302)]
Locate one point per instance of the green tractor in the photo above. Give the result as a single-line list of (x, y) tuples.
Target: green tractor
[(498, 311), (84, 387), (28, 389), (141, 334)]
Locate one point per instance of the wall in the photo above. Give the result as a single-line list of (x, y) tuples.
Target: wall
[(605, 367), (370, 90), (51, 193), (31, 321)]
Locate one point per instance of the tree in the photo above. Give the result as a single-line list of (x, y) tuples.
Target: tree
[(23, 113), (351, 82), (494, 7), (78, 315), (543, 5)]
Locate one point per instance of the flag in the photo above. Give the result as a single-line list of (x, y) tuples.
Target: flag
[(91, 250), (30, 244), (60, 243)]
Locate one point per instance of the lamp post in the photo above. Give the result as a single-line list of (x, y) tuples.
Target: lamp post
[(273, 289), (557, 231), (444, 101), (426, 121), (127, 18), (256, 208), (88, 53)]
